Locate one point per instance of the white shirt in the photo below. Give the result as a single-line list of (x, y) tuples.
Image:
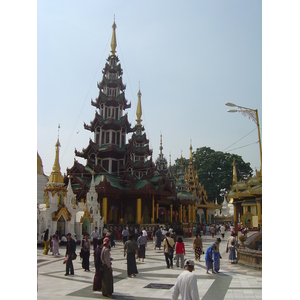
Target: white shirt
[(95, 235), (222, 229), (186, 286)]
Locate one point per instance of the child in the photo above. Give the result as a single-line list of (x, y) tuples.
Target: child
[(209, 259), (180, 252), (232, 254)]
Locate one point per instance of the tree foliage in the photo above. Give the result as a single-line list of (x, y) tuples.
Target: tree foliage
[(215, 170)]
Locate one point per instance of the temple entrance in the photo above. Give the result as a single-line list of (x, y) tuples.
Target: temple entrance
[(61, 225), (203, 219), (86, 225), (146, 215), (129, 215)]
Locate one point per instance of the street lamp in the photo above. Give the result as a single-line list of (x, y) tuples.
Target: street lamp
[(252, 114)]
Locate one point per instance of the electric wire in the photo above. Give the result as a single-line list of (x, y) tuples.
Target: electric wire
[(239, 140), (93, 81)]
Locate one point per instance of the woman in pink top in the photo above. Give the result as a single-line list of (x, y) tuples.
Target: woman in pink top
[(180, 252)]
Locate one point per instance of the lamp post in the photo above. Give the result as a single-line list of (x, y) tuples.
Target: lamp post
[(252, 114)]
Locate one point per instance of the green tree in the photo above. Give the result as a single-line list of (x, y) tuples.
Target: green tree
[(214, 170)]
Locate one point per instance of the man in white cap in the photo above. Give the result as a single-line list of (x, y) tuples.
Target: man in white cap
[(186, 284)]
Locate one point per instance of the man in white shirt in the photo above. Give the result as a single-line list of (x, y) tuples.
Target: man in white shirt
[(186, 284), (95, 236)]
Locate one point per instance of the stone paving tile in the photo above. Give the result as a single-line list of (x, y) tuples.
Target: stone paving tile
[(233, 282)]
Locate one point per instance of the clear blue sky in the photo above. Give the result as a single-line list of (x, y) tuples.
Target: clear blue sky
[(189, 57)]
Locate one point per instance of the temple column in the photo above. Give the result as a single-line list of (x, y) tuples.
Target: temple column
[(104, 210), (157, 211), (121, 215), (207, 216), (171, 212), (235, 217), (189, 214), (110, 214), (258, 203), (180, 214), (193, 214), (184, 215), (115, 214), (138, 210), (153, 216)]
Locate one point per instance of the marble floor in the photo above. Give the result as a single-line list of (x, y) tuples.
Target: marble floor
[(233, 281)]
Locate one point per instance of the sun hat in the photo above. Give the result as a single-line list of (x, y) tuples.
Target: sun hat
[(189, 262)]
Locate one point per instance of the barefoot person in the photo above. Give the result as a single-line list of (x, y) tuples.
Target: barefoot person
[(209, 259)]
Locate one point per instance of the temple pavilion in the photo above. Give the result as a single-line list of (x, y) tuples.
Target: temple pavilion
[(246, 197), (129, 190)]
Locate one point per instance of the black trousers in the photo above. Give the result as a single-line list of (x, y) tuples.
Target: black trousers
[(169, 260), (69, 265)]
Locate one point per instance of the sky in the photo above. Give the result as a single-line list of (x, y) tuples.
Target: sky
[(189, 59)]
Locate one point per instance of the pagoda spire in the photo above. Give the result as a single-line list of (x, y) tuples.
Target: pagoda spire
[(139, 109), (191, 154), (113, 43), (55, 176), (161, 147), (234, 179)]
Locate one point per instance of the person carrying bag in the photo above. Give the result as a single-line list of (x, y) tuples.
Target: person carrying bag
[(168, 250)]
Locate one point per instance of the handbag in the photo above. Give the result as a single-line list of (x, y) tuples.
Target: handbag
[(73, 256), (170, 249)]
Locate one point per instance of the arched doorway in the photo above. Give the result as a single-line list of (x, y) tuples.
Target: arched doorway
[(129, 215), (61, 226), (86, 225)]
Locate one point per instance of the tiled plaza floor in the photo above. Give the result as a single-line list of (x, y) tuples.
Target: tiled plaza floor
[(233, 281)]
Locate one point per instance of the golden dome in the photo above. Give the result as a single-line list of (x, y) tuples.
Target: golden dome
[(40, 169)]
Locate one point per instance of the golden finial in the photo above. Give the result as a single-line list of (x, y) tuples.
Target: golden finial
[(55, 175), (191, 154), (234, 179), (113, 42), (139, 108)]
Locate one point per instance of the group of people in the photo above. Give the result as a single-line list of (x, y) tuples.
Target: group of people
[(135, 249), (51, 243)]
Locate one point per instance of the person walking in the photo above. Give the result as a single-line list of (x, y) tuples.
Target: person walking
[(222, 230), (158, 235), (70, 252), (95, 236), (131, 248), (229, 240), (46, 241), (85, 253), (107, 278), (217, 256), (204, 229), (197, 246), (168, 244), (209, 259), (186, 283), (125, 234), (97, 284), (212, 230), (142, 244), (179, 252), (173, 235), (55, 246), (232, 253)]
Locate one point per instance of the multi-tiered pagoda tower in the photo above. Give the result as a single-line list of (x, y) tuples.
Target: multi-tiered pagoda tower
[(122, 174)]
